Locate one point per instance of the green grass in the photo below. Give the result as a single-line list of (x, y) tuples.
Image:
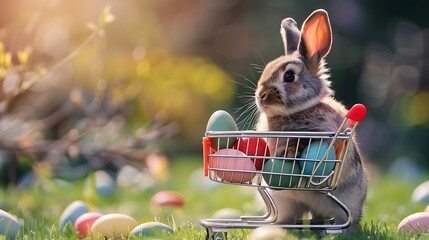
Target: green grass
[(40, 207)]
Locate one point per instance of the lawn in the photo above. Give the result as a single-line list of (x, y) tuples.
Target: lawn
[(40, 207)]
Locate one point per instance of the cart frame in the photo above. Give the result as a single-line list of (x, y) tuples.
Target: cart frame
[(323, 182)]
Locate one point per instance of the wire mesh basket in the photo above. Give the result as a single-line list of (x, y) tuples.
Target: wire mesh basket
[(298, 161)]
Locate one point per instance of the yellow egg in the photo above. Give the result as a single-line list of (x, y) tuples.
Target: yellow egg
[(114, 226), (222, 121)]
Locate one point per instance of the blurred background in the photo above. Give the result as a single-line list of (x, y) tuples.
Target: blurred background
[(85, 86)]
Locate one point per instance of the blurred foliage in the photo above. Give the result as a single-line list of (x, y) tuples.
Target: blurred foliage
[(183, 87), (87, 130)]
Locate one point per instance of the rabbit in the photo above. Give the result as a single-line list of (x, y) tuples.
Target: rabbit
[(294, 94)]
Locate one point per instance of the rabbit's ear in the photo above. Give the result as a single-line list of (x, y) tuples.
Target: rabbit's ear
[(290, 35), (316, 36)]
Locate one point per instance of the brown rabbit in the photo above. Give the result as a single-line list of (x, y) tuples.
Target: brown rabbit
[(294, 94)]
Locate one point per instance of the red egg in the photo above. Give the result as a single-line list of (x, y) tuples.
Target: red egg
[(84, 223), (168, 199), (253, 147)]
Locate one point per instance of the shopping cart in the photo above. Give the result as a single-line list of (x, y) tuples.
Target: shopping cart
[(298, 161)]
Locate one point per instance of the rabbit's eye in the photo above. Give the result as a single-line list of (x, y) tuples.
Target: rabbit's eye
[(289, 76)]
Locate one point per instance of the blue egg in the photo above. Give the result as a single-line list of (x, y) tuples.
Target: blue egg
[(72, 212), (104, 183), (9, 225), (152, 229), (316, 151)]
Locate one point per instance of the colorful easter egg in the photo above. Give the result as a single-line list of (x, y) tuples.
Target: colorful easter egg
[(168, 199), (104, 183), (158, 165), (221, 121), (421, 193), (227, 213), (268, 232), (9, 225), (114, 225), (231, 165), (152, 229), (280, 173), (316, 151), (72, 212), (253, 147), (83, 224), (417, 222)]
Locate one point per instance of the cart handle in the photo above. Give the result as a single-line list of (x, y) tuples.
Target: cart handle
[(357, 113), (206, 150)]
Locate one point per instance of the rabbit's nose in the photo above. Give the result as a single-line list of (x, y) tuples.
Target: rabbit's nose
[(263, 96)]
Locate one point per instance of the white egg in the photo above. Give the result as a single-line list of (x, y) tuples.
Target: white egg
[(268, 232), (421, 193)]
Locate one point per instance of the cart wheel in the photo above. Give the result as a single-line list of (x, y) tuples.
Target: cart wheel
[(334, 231), (219, 236), (215, 235), (209, 232)]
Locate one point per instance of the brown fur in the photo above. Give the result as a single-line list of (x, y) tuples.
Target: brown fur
[(307, 104)]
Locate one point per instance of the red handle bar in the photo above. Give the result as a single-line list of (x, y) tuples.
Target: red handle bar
[(357, 113)]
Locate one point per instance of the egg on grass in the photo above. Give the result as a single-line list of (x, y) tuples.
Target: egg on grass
[(83, 224), (168, 198), (421, 193), (113, 225), (416, 222), (72, 212), (9, 225), (268, 232), (152, 229)]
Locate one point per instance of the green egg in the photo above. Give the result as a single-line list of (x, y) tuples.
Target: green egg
[(283, 167), (222, 121)]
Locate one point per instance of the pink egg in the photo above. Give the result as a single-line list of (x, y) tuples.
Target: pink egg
[(417, 222), (84, 222), (229, 162)]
